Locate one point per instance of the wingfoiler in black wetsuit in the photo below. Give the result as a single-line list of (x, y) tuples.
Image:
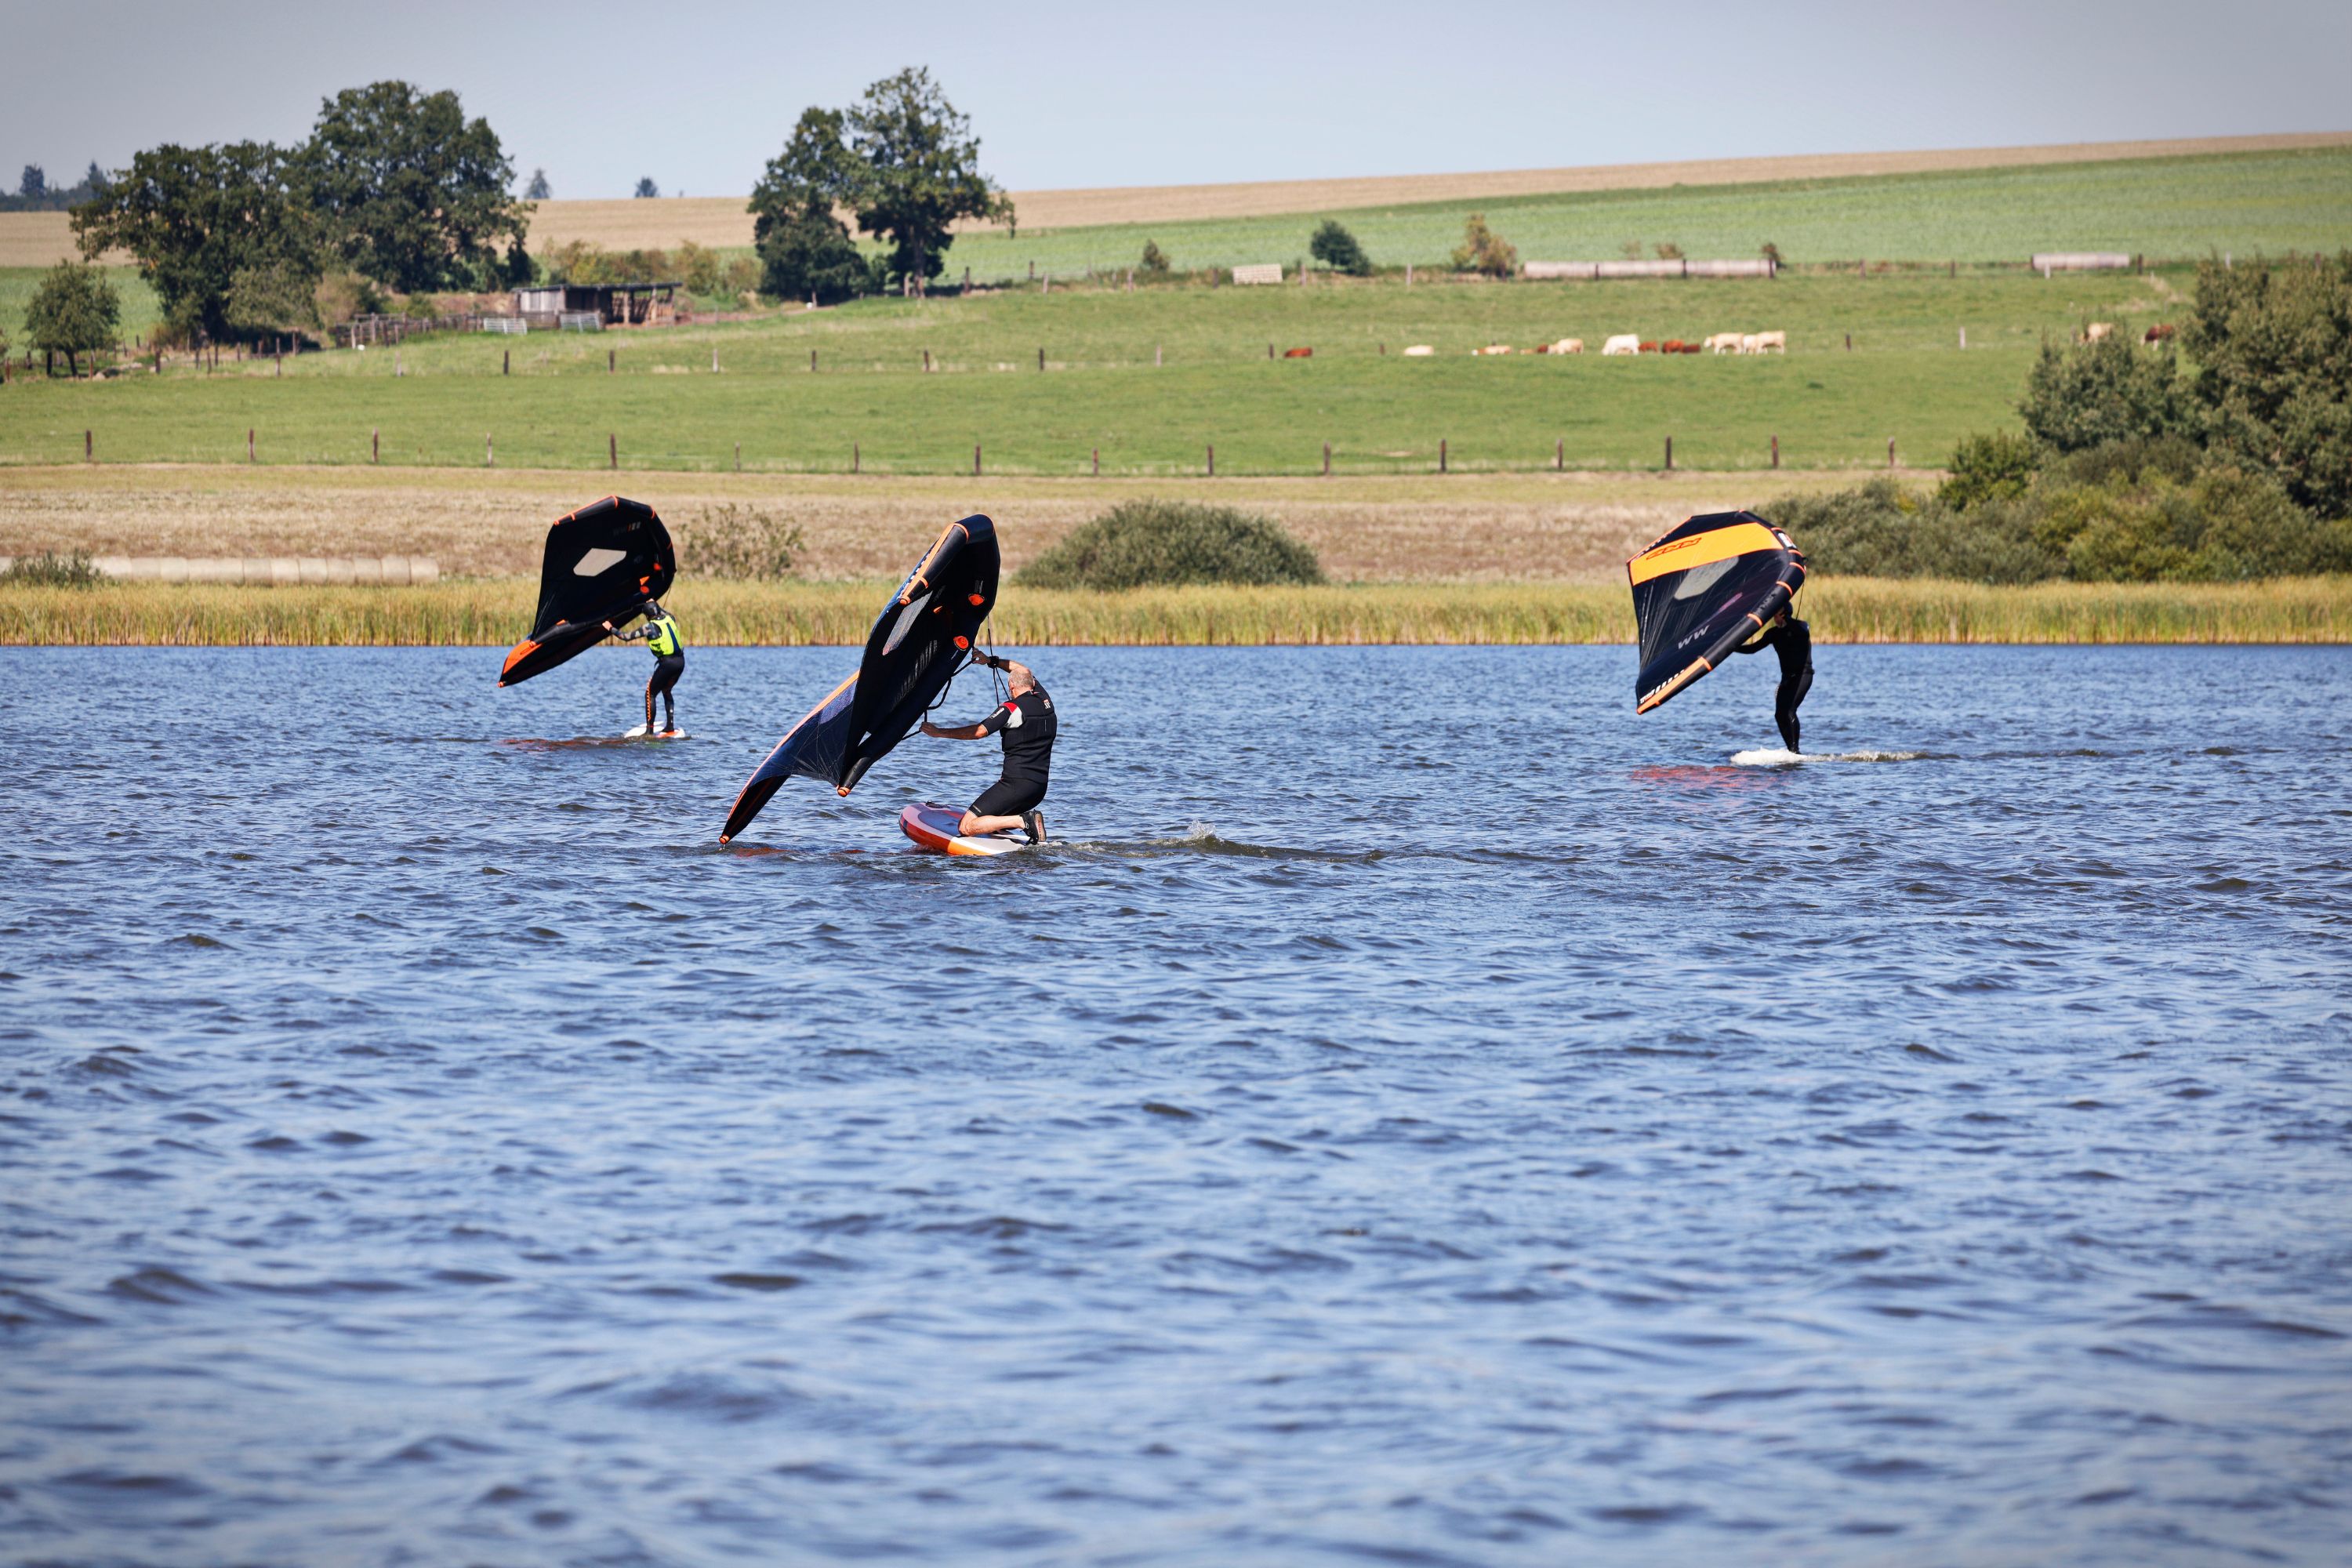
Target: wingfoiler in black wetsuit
[(1026, 725), (659, 633), (1792, 640)]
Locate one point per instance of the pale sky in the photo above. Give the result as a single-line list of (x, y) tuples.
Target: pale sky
[(698, 96)]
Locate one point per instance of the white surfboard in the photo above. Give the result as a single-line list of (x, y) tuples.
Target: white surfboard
[(641, 733), (934, 828)]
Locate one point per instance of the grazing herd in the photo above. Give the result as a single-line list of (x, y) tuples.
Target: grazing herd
[(1635, 343)]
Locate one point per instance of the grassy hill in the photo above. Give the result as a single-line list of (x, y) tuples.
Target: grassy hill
[(1904, 377), (2166, 207)]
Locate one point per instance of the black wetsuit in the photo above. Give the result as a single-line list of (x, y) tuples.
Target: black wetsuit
[(660, 636), (1793, 641), (1027, 726)]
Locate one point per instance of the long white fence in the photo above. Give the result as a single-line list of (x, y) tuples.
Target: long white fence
[(268, 571)]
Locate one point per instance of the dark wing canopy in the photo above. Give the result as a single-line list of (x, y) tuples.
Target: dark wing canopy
[(918, 642), (601, 563), (1702, 591)]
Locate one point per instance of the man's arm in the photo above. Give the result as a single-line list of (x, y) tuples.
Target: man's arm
[(637, 636), (1760, 641), (960, 733)]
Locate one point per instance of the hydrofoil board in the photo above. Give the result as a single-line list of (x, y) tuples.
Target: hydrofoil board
[(641, 733), (934, 828)]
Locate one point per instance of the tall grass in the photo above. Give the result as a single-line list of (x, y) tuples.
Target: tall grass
[(495, 612)]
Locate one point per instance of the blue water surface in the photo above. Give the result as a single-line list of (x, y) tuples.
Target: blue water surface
[(1422, 1114)]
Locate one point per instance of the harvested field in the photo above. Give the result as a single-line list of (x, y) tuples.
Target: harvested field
[(1573, 527)]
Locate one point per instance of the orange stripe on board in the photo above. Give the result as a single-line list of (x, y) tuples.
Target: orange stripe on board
[(1701, 550)]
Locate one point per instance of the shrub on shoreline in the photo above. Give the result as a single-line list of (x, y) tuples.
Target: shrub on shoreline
[(1142, 543)]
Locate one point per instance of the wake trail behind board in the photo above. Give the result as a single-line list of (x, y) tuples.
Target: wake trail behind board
[(1775, 758)]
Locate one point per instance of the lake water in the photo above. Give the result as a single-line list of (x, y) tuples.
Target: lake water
[(1424, 1115)]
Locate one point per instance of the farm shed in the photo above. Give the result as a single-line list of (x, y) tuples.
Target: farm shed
[(613, 304)]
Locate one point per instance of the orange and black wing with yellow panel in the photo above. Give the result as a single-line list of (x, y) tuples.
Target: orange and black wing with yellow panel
[(601, 562), (1703, 590)]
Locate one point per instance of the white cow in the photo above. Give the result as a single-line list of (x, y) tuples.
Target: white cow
[(1419, 351), (1764, 343), (1723, 343), (2097, 330), (1493, 349), (1569, 346), (1622, 344)]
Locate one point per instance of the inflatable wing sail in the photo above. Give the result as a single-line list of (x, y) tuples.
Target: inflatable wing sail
[(601, 563), (1702, 591), (918, 642)]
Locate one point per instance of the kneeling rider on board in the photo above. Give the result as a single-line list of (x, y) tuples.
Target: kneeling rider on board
[(1027, 724), (659, 633), (1792, 640)]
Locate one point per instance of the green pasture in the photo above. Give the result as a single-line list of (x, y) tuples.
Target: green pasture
[(435, 401), (140, 309), (2178, 208)]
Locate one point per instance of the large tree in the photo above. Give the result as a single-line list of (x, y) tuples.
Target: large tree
[(74, 312), (921, 173), (414, 193), (805, 251), (2272, 343), (195, 218)]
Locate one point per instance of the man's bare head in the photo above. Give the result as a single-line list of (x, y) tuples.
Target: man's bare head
[(1017, 678)]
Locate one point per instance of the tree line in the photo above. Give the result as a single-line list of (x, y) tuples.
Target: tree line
[(396, 192), (2134, 467)]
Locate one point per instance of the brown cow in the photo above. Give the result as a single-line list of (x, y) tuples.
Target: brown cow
[(2159, 333), (1298, 353)]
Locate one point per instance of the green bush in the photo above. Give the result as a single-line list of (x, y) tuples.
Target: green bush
[(1885, 531), (1484, 250), (2088, 394), (1998, 467), (739, 542), (1155, 262), (814, 258), (2139, 511), (50, 570), (1336, 248), (1142, 543)]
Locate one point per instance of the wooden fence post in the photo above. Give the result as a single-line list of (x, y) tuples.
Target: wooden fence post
[(812, 362), (1440, 454), (1964, 337), (714, 359), (856, 457), (1327, 459), (927, 362), (89, 448), (1213, 460), (1890, 451), (1040, 359), (975, 445), (1155, 356), (1670, 454), (249, 443), (1098, 462), (1559, 455), (490, 451), (1776, 451), (376, 445), (281, 362), (1849, 343), (506, 362), (612, 450), (1269, 350)]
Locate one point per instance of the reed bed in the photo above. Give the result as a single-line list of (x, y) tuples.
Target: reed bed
[(495, 612)]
